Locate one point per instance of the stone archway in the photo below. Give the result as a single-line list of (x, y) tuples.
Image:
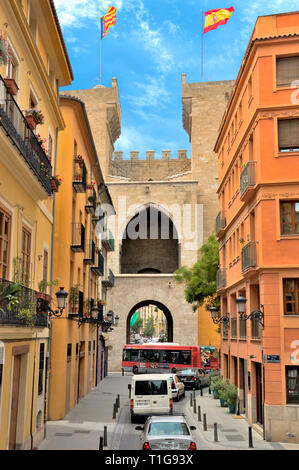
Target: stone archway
[(160, 306), (150, 243)]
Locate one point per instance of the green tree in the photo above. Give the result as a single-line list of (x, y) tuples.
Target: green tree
[(149, 329), (137, 325), (200, 279)]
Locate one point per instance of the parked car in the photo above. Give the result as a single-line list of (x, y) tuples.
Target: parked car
[(177, 387), (150, 394), (167, 433), (193, 378)]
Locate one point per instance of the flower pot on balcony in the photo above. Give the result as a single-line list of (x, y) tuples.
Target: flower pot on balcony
[(31, 122), (11, 86), (54, 186)]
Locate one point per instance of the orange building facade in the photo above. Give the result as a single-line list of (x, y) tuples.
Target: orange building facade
[(258, 229)]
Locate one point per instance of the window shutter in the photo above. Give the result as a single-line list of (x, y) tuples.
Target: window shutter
[(287, 70), (288, 133)]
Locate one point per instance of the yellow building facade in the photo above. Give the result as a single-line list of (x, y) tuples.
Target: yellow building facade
[(80, 263), (30, 74), (208, 332)]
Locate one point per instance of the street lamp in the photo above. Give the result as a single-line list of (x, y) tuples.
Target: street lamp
[(218, 319), (257, 314), (61, 303)]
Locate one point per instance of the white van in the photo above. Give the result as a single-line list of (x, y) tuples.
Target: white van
[(151, 394)]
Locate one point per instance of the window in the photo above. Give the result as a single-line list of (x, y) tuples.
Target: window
[(50, 147), (292, 383), (45, 265), (41, 368), (12, 66), (168, 428), (288, 135), (289, 215), (151, 387), (5, 225), (69, 351), (287, 70), (291, 296), (26, 256)]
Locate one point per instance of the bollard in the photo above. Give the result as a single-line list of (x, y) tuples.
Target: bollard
[(250, 437), (215, 433), (122, 372), (105, 436), (191, 401), (193, 393), (114, 411), (199, 413), (101, 443), (194, 406), (118, 401), (201, 391), (209, 390), (129, 388), (205, 427)]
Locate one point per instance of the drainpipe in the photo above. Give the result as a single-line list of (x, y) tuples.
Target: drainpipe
[(48, 362)]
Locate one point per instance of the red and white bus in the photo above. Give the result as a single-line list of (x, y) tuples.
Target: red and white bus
[(167, 357)]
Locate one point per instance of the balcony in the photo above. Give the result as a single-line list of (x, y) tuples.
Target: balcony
[(29, 311), (108, 281), (108, 241), (90, 252), (98, 270), (221, 278), (248, 256), (220, 223), (91, 201), (78, 238), (247, 182), (79, 175), (16, 128)]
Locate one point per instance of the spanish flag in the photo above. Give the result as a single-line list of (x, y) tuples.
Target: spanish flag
[(108, 20), (214, 18)]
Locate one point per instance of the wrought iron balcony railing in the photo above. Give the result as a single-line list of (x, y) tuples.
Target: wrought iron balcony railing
[(247, 178), (98, 270), (79, 175), (248, 256), (90, 252), (27, 310), (220, 222), (109, 281), (91, 201), (221, 278), (15, 125), (78, 238), (108, 241)]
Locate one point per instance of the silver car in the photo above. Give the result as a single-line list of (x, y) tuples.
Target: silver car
[(167, 433)]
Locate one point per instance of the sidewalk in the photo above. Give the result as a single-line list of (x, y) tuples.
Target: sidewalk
[(232, 429), (83, 426)]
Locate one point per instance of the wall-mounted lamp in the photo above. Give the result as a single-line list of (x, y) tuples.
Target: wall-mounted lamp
[(219, 319), (257, 314), (61, 303)]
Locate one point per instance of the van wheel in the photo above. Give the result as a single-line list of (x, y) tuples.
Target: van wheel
[(135, 370), (133, 419)]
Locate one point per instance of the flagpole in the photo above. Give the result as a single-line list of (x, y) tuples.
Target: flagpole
[(101, 61), (202, 18)]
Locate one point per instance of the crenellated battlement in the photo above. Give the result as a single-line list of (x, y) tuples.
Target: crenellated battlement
[(150, 155)]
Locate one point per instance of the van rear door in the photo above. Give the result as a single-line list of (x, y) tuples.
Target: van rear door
[(161, 393)]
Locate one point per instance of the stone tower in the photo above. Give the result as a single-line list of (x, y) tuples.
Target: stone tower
[(177, 192)]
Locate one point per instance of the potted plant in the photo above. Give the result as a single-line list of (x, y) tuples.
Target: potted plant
[(4, 51), (214, 380), (91, 185), (74, 299), (56, 181), (101, 302), (222, 393), (79, 160), (27, 311), (230, 394), (9, 295), (11, 86), (34, 117), (42, 287)]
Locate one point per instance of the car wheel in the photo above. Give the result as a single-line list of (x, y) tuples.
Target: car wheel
[(133, 419), (135, 370)]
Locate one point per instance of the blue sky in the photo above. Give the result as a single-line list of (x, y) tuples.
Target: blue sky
[(152, 44)]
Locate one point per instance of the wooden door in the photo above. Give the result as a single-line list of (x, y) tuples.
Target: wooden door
[(259, 394), (14, 402)]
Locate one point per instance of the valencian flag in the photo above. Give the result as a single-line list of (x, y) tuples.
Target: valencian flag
[(215, 18), (134, 318), (108, 20)]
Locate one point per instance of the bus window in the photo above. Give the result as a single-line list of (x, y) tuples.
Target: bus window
[(185, 357), (145, 355), (131, 355)]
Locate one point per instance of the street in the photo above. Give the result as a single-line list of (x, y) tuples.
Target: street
[(82, 428)]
